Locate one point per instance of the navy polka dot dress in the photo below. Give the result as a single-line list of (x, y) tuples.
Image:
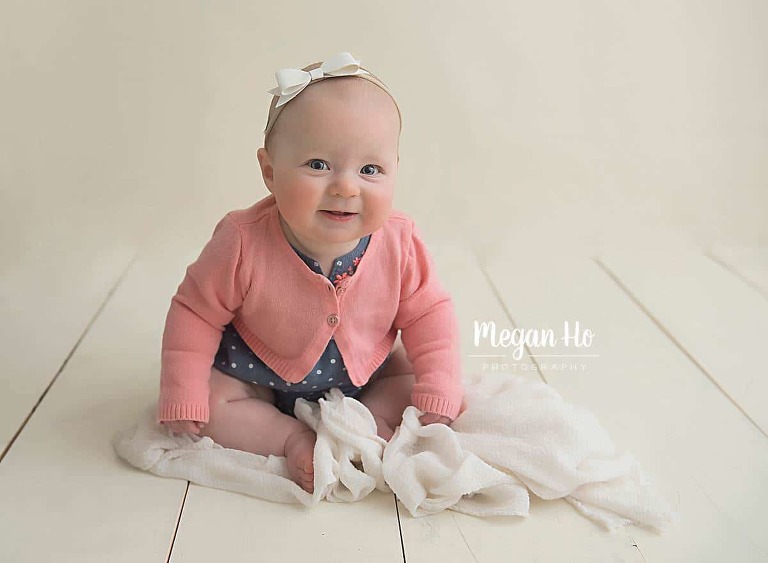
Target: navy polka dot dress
[(235, 358)]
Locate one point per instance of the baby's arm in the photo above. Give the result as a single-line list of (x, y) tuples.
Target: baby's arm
[(202, 306), (430, 335)]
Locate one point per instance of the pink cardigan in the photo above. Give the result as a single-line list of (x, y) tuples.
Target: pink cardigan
[(249, 274)]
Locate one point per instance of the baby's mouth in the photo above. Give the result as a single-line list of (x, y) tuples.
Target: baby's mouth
[(338, 213)]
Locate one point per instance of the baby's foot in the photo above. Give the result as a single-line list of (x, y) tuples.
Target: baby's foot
[(299, 451)]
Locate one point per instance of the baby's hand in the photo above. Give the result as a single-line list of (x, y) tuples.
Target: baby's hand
[(432, 418), (184, 426)]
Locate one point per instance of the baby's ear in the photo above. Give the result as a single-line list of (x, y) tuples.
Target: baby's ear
[(267, 170)]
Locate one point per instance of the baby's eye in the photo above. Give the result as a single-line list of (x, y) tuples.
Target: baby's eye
[(370, 169), (317, 164)]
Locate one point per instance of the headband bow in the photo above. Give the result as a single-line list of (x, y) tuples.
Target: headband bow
[(291, 81)]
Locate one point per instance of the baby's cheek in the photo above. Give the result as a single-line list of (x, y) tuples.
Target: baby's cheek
[(295, 208), (379, 207)]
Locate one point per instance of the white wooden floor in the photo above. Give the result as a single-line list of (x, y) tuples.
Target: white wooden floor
[(561, 167), (675, 376)]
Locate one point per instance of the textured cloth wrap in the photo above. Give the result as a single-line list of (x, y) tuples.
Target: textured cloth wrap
[(515, 437)]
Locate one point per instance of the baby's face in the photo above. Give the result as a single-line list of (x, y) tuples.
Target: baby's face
[(335, 150)]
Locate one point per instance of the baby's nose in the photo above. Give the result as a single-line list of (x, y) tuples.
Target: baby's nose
[(345, 185)]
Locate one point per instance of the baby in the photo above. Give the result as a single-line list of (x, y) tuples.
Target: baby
[(320, 284)]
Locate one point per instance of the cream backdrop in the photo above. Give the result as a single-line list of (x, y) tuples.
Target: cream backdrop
[(578, 124)]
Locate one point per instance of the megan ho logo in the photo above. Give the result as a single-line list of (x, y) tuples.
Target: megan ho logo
[(517, 340)]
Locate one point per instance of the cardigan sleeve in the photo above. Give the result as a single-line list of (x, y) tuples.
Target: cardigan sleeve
[(430, 334), (204, 303)]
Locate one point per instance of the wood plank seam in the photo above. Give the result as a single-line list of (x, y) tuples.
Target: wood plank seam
[(69, 356), (503, 306), (720, 509), (399, 527), (178, 522), (637, 547), (674, 340), (464, 538), (727, 267)]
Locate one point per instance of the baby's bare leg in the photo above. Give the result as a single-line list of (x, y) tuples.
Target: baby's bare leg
[(243, 417), (390, 394)]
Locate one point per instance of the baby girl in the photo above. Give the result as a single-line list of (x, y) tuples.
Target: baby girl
[(321, 284)]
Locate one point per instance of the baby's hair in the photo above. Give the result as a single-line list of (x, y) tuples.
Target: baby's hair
[(274, 111)]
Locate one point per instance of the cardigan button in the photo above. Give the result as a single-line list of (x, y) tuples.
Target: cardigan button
[(341, 290), (333, 320)]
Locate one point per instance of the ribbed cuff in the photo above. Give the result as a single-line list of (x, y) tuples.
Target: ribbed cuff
[(175, 411), (436, 404)]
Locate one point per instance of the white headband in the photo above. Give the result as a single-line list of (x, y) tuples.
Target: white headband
[(292, 81)]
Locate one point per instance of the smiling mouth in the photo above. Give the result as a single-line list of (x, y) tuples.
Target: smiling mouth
[(339, 213)]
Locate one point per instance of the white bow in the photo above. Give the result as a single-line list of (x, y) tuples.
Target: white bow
[(291, 81)]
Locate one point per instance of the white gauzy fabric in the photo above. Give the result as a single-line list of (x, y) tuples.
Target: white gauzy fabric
[(515, 437)]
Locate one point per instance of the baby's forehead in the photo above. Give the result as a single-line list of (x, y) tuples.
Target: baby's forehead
[(349, 89), (324, 107)]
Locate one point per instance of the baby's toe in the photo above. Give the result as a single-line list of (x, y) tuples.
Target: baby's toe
[(300, 454), (305, 480), (307, 464), (308, 477)]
